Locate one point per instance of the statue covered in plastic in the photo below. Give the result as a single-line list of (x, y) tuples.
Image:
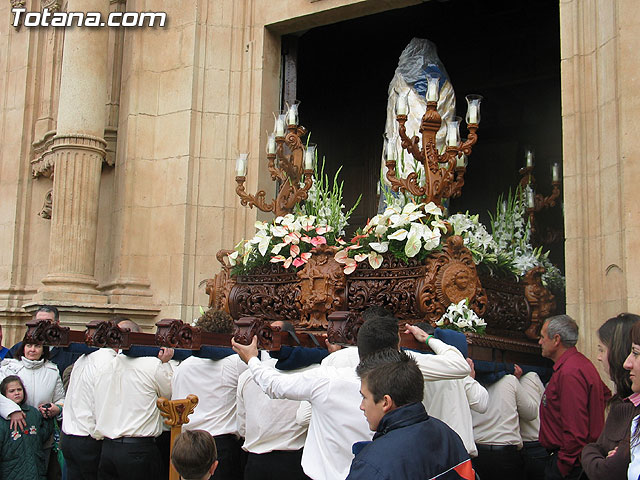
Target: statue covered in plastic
[(418, 59)]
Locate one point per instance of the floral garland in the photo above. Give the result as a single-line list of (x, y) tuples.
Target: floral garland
[(462, 318)]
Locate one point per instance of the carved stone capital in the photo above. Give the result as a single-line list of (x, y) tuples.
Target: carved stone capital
[(176, 334), (52, 5), (43, 164), (47, 206)]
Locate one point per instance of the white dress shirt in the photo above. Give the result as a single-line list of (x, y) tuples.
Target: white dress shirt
[(447, 363), (215, 383), (126, 392), (452, 401), (336, 420), (267, 424), (507, 404), (531, 386), (78, 406), (41, 379)]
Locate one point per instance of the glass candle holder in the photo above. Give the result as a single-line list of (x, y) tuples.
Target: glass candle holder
[(241, 165), (402, 103), (529, 157), (271, 144), (309, 156), (292, 114), (280, 125), (433, 87), (473, 109), (453, 132)]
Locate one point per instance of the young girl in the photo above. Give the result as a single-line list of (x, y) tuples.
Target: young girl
[(21, 453)]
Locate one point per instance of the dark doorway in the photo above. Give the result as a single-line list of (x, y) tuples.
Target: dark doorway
[(509, 52)]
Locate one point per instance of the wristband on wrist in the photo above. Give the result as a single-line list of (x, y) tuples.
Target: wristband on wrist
[(427, 340)]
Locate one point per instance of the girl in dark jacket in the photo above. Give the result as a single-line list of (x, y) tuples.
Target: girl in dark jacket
[(21, 453), (608, 458)]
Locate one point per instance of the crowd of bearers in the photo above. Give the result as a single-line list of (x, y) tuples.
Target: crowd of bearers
[(365, 416)]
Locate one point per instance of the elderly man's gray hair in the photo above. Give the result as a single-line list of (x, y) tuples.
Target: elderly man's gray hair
[(565, 326)]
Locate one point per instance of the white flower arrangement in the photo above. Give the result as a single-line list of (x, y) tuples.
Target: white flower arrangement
[(413, 231), (461, 318)]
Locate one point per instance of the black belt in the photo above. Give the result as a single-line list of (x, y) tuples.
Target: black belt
[(497, 448), (532, 444), (132, 440)]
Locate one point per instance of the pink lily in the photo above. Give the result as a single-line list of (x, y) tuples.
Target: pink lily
[(317, 241)]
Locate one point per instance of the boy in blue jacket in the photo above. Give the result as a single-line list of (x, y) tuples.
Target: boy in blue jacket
[(408, 444)]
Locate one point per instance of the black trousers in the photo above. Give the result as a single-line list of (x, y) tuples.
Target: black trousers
[(81, 455), (230, 464), (129, 459), (276, 465), (498, 462), (551, 471), (535, 458)]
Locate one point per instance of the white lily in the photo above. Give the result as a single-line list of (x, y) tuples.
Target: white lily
[(375, 260), (432, 209), (398, 235), (380, 247)]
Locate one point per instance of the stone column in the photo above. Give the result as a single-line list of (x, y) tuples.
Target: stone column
[(78, 150)]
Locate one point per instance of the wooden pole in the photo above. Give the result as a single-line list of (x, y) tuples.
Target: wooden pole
[(176, 413)]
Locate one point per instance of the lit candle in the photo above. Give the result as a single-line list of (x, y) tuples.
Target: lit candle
[(292, 115), (473, 113), (452, 132), (531, 199), (529, 158), (433, 85), (241, 165), (473, 109), (555, 172), (271, 144), (402, 103), (280, 126), (309, 157)]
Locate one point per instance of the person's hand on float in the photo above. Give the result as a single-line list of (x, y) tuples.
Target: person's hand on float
[(246, 352)]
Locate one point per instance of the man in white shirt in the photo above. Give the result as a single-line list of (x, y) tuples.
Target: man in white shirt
[(272, 437), (534, 455), (82, 451), (497, 432), (126, 415), (215, 383), (334, 393)]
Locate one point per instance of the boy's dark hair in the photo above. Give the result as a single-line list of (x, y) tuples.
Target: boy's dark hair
[(194, 451), (377, 333), (13, 378), (394, 373), (216, 321), (49, 309), (20, 351), (375, 311)]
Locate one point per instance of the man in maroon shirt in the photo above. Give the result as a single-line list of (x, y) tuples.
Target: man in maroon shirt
[(572, 407)]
